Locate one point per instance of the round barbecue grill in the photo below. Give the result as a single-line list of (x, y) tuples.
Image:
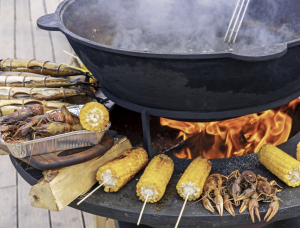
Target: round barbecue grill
[(227, 82), (125, 205)]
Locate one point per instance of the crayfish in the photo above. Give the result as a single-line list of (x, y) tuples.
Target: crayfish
[(213, 188), (251, 189), (23, 114), (29, 124), (267, 192)]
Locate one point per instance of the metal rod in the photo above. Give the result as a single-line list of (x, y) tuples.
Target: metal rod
[(231, 20), (236, 21), (147, 135), (241, 21)]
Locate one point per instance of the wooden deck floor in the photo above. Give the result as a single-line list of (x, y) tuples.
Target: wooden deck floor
[(20, 38)]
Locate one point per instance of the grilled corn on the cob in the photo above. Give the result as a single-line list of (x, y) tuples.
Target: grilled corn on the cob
[(93, 116), (285, 167), (121, 170), (193, 178), (155, 178)]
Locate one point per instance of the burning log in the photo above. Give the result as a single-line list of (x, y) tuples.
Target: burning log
[(60, 187)]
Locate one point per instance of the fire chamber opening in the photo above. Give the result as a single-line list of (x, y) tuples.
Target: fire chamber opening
[(233, 137)]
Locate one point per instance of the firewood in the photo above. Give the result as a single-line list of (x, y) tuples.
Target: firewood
[(60, 187)]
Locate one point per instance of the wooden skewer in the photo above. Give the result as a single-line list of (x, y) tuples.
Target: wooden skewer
[(178, 220), (92, 192), (71, 55), (138, 223)]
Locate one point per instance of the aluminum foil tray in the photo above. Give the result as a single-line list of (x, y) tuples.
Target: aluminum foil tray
[(67, 141)]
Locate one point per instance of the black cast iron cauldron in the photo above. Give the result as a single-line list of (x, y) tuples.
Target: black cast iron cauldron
[(241, 82)]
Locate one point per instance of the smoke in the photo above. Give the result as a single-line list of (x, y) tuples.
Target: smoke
[(170, 26), (181, 26)]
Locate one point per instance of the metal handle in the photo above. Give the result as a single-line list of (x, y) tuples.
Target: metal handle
[(49, 22), (263, 53)]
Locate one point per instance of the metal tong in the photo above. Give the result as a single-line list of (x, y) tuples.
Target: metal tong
[(238, 18)]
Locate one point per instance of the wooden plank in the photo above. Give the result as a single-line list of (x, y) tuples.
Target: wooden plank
[(41, 38), (7, 173), (28, 216), (7, 44), (59, 40), (94, 221), (24, 46), (88, 220), (69, 217), (102, 222), (2, 152), (61, 187), (8, 203)]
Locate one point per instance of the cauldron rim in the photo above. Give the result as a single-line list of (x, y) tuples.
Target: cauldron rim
[(53, 22)]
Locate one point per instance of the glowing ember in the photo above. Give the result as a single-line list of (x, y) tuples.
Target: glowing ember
[(234, 137)]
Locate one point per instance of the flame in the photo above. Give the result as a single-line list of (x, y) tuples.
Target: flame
[(234, 137)]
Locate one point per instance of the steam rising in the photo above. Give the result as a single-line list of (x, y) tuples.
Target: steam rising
[(180, 26)]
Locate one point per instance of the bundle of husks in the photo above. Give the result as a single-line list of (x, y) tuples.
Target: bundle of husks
[(11, 93), (44, 81), (27, 124), (35, 80), (39, 67)]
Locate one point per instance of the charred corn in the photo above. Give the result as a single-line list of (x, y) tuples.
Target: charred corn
[(285, 167), (121, 170), (193, 178), (155, 178)]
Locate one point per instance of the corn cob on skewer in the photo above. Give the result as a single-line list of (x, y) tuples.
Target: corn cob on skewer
[(193, 178), (155, 178), (285, 167), (121, 170)]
